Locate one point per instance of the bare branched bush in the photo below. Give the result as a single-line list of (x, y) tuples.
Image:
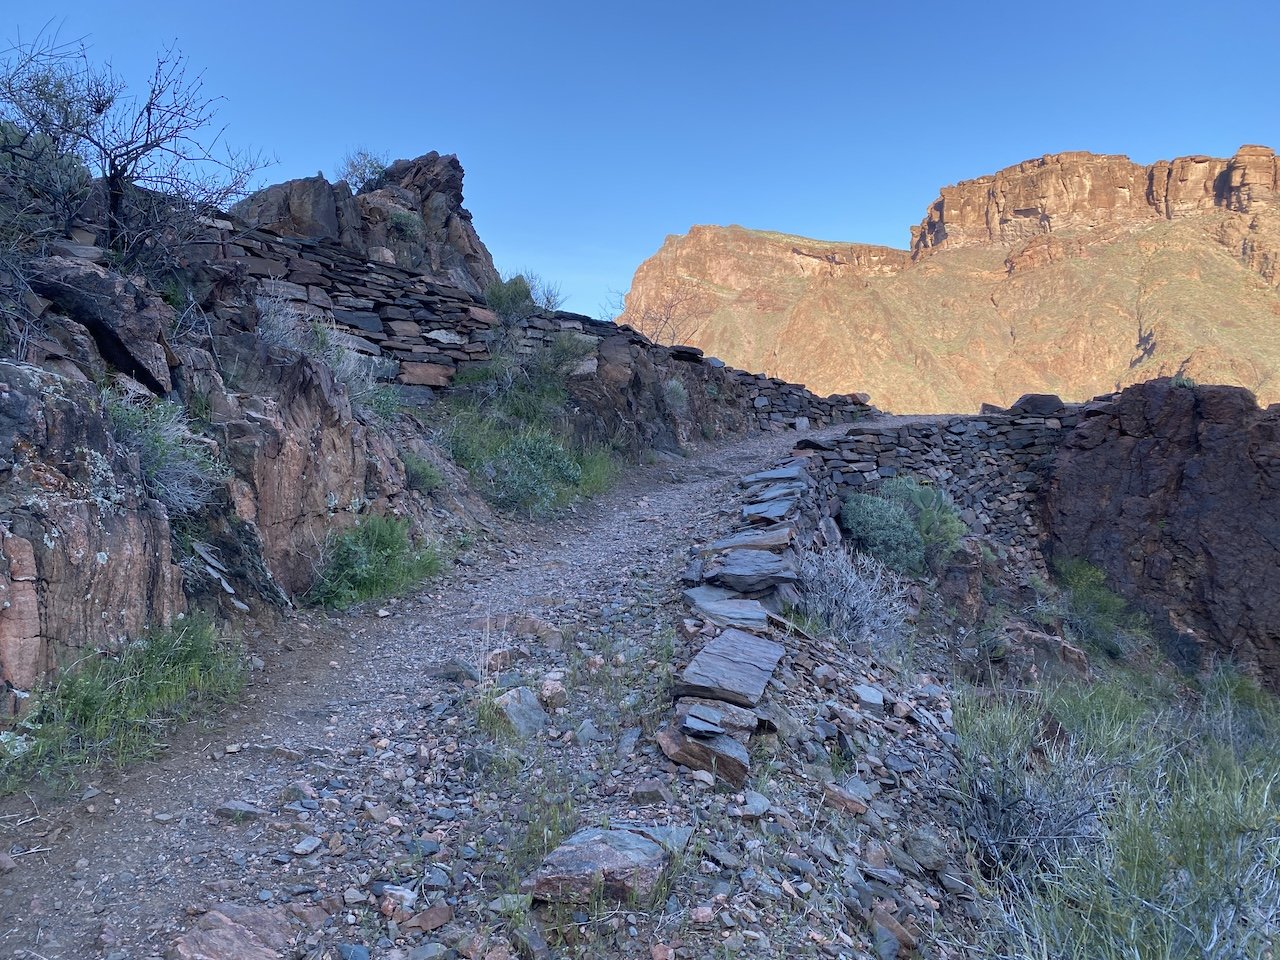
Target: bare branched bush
[(673, 317), (281, 324), (1031, 800), (157, 155), (362, 168), (860, 601)]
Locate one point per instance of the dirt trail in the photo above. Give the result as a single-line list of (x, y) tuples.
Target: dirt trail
[(118, 872)]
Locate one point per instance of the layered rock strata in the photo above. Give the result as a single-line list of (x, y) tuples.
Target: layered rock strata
[(1072, 274)]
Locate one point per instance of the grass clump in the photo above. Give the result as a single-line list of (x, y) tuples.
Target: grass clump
[(177, 468), (374, 559), (518, 297), (1094, 614), (1126, 819), (110, 708)]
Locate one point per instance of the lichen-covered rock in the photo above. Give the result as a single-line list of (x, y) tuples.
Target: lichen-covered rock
[(85, 558)]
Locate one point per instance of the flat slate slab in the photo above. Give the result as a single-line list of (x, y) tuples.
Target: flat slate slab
[(772, 511), (777, 491), (619, 864), (708, 594), (752, 570), (796, 471), (722, 756), (769, 538), (734, 667), (744, 614)]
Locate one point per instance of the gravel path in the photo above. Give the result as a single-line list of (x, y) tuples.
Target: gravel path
[(344, 706)]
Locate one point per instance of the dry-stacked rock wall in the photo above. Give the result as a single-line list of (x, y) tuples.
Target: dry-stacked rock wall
[(432, 331), (993, 465)]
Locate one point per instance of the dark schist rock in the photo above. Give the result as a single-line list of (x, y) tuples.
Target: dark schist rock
[(720, 754), (768, 538), (751, 571), (740, 613), (1174, 491), (734, 667), (620, 865)]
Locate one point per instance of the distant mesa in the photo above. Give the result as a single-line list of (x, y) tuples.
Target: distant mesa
[(1074, 273)]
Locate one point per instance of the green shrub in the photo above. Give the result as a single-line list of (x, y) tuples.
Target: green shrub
[(1093, 613), (421, 474), (518, 297), (373, 559), (883, 529), (934, 513), (598, 470), (510, 299), (177, 468), (505, 423), (110, 708), (406, 226), (532, 472)]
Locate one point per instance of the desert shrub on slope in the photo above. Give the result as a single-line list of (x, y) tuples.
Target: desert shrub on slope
[(177, 468), (884, 530), (281, 324), (1126, 819), (505, 422), (857, 600)]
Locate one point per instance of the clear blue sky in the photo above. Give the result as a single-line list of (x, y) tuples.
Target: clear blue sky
[(591, 130)]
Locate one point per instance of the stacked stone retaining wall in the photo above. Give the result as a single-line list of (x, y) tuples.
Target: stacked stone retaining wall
[(432, 331), (993, 465)]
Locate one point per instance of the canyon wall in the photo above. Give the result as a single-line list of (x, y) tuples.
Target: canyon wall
[(1072, 274), (1079, 190)]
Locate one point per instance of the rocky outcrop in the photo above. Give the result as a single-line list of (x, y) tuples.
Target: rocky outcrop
[(1072, 274), (411, 216), (85, 556), (1175, 492), (1079, 190)]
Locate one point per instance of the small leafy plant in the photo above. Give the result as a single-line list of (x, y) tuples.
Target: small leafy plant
[(373, 559)]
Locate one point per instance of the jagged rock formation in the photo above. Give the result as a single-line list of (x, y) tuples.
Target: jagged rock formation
[(1072, 274), (1062, 191), (411, 216), (1175, 493)]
